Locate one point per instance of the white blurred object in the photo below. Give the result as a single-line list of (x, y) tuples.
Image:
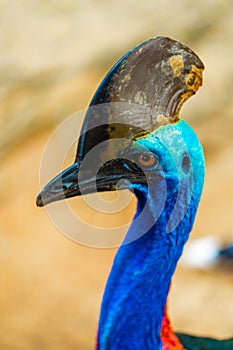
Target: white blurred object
[(202, 252)]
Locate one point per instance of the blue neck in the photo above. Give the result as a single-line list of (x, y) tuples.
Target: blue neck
[(137, 288)]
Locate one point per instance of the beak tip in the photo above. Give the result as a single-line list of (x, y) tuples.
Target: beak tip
[(39, 201)]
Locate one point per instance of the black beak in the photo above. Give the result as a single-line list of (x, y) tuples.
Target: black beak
[(114, 175)]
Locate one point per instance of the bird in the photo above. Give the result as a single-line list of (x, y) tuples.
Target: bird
[(135, 139)]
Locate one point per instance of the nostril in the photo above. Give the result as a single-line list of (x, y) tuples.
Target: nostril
[(65, 186)]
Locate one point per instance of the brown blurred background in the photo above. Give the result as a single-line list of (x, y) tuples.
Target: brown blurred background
[(53, 56)]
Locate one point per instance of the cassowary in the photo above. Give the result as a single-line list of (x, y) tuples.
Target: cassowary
[(137, 142)]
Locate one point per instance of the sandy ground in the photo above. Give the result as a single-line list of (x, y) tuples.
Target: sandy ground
[(52, 58)]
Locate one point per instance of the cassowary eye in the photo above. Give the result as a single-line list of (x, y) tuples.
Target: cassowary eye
[(147, 160)]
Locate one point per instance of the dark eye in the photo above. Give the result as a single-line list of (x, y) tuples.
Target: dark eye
[(185, 163), (147, 160)]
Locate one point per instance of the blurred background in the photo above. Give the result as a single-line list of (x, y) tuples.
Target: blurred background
[(53, 56)]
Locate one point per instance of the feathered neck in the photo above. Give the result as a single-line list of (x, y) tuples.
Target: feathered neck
[(136, 292)]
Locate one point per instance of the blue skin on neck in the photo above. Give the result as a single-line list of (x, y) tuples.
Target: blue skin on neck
[(137, 287)]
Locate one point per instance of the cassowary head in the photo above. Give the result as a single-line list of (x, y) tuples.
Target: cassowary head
[(132, 136)]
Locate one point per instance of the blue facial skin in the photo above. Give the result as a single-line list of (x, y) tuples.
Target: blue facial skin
[(138, 284)]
